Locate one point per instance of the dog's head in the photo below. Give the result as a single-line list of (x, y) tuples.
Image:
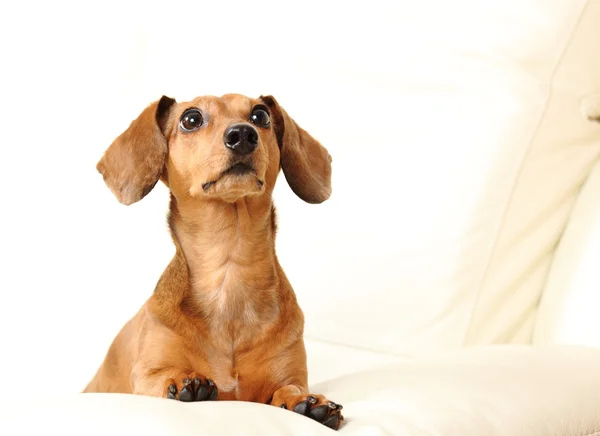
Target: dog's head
[(222, 148)]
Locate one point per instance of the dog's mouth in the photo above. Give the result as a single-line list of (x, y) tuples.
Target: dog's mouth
[(237, 169)]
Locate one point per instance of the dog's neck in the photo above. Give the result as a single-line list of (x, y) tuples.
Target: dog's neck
[(229, 249)]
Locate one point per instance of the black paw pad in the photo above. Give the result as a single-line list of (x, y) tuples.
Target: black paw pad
[(333, 421), (319, 413), (327, 414), (213, 390), (205, 391), (194, 390), (202, 393), (187, 392), (302, 407)]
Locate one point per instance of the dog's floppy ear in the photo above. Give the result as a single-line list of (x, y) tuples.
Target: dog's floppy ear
[(134, 162), (305, 162)]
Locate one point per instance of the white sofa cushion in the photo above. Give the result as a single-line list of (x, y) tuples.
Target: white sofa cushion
[(453, 180), (329, 360), (561, 151), (496, 391), (568, 312)]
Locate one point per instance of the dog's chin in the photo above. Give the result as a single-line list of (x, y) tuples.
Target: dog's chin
[(233, 186)]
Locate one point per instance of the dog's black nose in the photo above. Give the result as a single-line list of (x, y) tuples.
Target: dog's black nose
[(241, 138)]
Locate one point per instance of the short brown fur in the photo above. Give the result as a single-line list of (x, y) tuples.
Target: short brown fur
[(223, 309)]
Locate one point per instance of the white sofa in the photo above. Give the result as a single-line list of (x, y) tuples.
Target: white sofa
[(451, 285)]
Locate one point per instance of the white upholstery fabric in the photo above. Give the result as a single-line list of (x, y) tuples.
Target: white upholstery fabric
[(448, 204), (504, 391), (568, 312), (327, 360), (557, 158)]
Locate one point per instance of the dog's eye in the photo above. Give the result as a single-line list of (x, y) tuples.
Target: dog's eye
[(260, 117), (191, 120)]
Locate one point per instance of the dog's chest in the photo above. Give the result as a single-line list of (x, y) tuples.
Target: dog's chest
[(229, 380), (239, 375), (226, 379), (225, 295)]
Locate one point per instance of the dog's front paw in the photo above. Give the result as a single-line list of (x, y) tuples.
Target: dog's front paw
[(191, 387), (316, 407)]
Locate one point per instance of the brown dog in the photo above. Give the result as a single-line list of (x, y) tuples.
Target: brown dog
[(223, 322)]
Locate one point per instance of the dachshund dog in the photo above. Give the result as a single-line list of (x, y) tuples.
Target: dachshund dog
[(223, 322)]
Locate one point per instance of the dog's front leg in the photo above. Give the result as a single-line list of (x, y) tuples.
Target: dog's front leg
[(293, 393), (317, 407), (162, 369)]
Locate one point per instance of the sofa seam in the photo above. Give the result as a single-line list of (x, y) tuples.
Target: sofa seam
[(519, 174)]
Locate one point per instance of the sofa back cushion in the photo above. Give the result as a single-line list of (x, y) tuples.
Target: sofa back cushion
[(453, 177)]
